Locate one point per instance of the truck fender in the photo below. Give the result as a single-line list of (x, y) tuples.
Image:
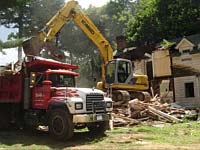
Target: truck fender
[(57, 105)]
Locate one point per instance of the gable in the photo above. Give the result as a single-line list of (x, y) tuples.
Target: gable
[(184, 44)]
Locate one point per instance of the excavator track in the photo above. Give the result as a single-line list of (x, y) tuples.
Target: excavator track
[(123, 95), (141, 95), (120, 95)]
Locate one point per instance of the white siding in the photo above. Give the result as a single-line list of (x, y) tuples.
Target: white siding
[(161, 63), (194, 61), (139, 67), (180, 97)]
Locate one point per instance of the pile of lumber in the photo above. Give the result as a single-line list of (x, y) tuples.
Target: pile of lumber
[(135, 112), (11, 69)]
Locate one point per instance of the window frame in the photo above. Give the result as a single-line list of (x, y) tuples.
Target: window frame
[(189, 90)]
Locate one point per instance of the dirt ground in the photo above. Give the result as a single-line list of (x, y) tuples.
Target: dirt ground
[(18, 139)]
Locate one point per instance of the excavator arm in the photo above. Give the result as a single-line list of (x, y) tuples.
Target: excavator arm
[(94, 34), (69, 11)]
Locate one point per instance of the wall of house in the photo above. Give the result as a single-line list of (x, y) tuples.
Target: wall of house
[(180, 93), (188, 60), (140, 67), (185, 44), (161, 63)]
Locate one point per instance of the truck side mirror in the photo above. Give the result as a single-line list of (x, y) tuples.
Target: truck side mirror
[(32, 79), (47, 82)]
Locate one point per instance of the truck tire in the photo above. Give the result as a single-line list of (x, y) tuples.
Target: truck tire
[(98, 128), (5, 118), (61, 126)]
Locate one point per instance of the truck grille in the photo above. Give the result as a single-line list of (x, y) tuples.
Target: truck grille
[(94, 102)]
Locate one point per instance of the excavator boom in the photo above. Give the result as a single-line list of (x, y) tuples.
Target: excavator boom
[(69, 11)]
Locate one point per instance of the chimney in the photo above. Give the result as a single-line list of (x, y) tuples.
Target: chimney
[(121, 42)]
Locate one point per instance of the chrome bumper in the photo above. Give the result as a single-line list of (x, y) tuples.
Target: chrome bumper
[(86, 118)]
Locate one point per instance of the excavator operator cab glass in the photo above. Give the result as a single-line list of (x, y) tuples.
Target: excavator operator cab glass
[(110, 70), (123, 71), (118, 71)]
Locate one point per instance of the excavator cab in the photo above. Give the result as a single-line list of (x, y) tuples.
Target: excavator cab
[(125, 85), (118, 71)]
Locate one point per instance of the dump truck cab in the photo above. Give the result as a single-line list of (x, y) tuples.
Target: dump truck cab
[(53, 90)]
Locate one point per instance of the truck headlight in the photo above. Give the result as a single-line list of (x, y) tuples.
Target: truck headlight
[(78, 106), (108, 104)]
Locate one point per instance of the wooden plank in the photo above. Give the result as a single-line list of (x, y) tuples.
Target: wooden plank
[(162, 114)]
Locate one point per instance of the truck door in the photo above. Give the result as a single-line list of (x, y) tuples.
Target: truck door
[(40, 94)]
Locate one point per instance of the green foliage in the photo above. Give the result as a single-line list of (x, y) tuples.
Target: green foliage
[(16, 15), (116, 15), (1, 46), (167, 44), (10, 44), (155, 20), (41, 12), (13, 43), (12, 36)]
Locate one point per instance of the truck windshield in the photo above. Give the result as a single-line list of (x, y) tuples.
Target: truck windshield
[(62, 80)]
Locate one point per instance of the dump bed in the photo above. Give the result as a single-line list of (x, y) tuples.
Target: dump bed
[(11, 80), (11, 88)]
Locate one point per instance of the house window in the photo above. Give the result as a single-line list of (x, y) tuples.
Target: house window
[(187, 51), (189, 89)]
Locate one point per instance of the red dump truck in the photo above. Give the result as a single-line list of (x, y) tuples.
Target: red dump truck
[(43, 92)]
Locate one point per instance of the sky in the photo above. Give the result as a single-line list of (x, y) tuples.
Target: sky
[(87, 3)]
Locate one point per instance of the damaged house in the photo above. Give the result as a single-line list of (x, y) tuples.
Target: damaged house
[(180, 66), (174, 72)]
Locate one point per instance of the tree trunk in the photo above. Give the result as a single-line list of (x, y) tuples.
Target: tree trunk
[(20, 22)]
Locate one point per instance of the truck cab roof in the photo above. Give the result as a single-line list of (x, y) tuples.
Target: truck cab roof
[(62, 71), (41, 64)]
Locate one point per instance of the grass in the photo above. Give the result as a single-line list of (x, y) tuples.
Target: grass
[(183, 133), (137, 137)]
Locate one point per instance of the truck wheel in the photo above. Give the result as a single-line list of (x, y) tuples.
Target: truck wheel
[(5, 117), (98, 128), (61, 126)]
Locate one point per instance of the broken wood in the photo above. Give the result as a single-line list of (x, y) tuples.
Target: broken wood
[(123, 121), (162, 114)]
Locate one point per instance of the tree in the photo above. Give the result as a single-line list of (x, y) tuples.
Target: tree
[(116, 15), (28, 16), (155, 20), (16, 15)]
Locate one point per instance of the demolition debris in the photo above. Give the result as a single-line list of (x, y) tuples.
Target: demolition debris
[(137, 112)]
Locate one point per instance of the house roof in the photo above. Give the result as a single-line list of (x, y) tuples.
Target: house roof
[(195, 39), (134, 53), (184, 40)]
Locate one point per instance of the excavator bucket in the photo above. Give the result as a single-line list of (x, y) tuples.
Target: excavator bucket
[(34, 45)]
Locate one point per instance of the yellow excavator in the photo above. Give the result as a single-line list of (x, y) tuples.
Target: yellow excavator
[(117, 74)]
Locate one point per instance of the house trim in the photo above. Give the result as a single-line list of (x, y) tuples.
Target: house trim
[(184, 40)]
